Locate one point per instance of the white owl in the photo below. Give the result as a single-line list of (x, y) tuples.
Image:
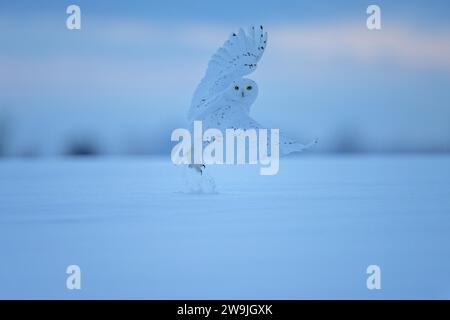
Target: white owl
[(223, 98)]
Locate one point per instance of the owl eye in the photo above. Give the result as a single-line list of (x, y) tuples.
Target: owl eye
[(236, 88), (249, 88)]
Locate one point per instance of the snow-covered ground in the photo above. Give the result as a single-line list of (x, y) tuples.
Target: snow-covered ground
[(308, 232)]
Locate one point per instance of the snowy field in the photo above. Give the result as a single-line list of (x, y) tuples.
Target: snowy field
[(308, 232)]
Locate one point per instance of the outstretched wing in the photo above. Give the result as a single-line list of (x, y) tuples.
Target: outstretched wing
[(236, 58), (229, 117)]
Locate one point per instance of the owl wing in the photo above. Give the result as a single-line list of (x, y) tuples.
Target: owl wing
[(236, 58), (229, 117)]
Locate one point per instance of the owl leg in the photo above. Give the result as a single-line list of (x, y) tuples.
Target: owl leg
[(197, 167)]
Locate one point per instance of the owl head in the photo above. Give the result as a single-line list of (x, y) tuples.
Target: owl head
[(242, 91)]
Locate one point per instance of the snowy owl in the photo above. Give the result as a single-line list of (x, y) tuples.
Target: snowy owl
[(224, 96)]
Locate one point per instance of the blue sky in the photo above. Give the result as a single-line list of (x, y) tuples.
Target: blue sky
[(126, 78)]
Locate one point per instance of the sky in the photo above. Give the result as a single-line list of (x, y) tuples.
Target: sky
[(125, 80)]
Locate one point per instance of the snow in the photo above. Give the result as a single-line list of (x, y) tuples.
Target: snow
[(308, 232)]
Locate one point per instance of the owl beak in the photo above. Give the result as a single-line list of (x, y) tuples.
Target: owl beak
[(242, 94)]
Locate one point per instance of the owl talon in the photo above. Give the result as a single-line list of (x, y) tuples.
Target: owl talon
[(197, 167)]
